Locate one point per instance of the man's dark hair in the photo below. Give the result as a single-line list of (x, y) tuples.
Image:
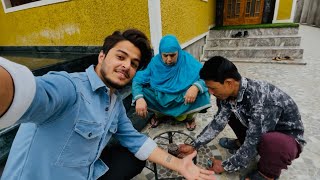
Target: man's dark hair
[(219, 69), (137, 38)]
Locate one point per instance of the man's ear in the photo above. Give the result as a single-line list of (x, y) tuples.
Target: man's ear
[(101, 56), (229, 82)]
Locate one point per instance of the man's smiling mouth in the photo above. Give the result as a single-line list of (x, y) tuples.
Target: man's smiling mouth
[(123, 73)]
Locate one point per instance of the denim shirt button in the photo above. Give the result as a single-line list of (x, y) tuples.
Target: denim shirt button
[(106, 109), (90, 134)]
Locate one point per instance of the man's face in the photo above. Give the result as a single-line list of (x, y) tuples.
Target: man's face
[(117, 68), (220, 91)]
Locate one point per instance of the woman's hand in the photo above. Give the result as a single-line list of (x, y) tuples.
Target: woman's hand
[(191, 94), (141, 108)]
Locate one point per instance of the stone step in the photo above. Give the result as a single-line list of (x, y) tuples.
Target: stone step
[(254, 52), (265, 60), (254, 41), (255, 32)]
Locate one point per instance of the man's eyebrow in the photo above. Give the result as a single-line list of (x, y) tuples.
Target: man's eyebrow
[(119, 50)]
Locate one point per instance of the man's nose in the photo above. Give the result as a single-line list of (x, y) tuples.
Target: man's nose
[(126, 64)]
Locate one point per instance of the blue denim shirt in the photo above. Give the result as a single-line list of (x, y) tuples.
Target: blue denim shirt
[(69, 122)]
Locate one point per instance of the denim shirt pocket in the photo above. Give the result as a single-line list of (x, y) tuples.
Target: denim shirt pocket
[(82, 145), (88, 130)]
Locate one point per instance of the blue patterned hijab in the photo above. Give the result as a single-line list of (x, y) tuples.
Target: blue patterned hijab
[(170, 78)]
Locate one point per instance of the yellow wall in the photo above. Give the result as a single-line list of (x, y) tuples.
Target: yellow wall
[(76, 22), (187, 19), (285, 7)]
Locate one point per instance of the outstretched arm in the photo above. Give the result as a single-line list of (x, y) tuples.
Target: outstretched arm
[(6, 90), (184, 166)]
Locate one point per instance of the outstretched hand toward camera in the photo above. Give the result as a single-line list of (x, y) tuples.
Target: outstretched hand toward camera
[(190, 171)]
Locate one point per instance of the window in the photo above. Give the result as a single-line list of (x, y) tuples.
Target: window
[(20, 2), (17, 5)]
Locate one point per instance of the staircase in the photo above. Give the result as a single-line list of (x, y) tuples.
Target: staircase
[(261, 45)]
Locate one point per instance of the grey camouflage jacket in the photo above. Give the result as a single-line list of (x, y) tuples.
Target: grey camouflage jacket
[(261, 107)]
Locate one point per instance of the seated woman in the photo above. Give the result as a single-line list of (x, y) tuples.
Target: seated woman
[(170, 85)]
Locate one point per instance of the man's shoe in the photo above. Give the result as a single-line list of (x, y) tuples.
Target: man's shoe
[(229, 143)]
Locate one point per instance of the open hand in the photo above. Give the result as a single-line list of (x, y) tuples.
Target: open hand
[(190, 171)]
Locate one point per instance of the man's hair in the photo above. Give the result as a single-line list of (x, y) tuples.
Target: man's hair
[(137, 38), (218, 69)]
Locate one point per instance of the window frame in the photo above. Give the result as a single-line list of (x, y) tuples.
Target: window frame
[(7, 5)]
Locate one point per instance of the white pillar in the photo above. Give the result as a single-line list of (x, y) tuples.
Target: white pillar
[(155, 24), (276, 9), (293, 10)]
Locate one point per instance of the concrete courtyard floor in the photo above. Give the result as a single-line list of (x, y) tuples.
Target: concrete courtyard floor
[(301, 82)]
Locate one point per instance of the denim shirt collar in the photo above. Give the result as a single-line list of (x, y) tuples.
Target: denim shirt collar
[(242, 88), (94, 79), (96, 82)]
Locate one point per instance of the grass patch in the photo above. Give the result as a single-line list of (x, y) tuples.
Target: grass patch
[(255, 26)]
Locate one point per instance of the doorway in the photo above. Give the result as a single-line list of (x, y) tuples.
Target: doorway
[(240, 12)]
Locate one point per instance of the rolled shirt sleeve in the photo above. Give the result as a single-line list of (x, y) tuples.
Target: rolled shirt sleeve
[(146, 149)]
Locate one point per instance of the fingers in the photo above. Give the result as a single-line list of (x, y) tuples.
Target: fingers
[(206, 174), (207, 177), (142, 112), (191, 94), (188, 100), (205, 171), (141, 108)]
